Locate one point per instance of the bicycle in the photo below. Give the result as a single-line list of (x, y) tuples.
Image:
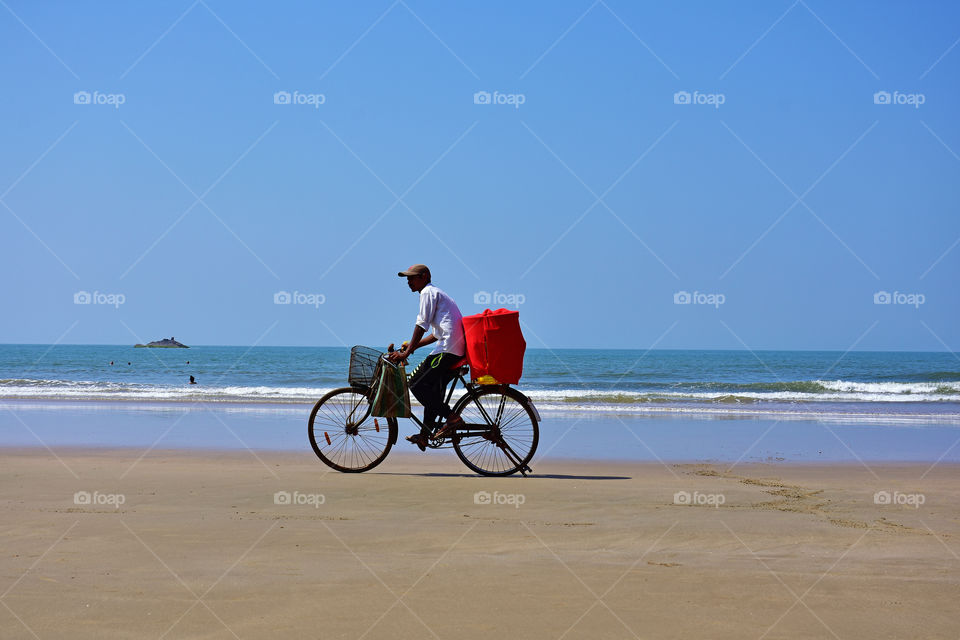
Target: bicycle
[(498, 438)]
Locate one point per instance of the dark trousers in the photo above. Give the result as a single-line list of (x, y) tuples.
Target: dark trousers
[(427, 384)]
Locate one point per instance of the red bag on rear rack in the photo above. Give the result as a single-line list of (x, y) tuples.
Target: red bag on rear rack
[(495, 346)]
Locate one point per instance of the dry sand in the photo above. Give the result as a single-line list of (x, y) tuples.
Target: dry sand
[(200, 549)]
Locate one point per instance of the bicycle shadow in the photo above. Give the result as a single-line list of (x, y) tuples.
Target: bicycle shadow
[(531, 476)]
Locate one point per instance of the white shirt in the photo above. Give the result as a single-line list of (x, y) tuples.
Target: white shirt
[(439, 313)]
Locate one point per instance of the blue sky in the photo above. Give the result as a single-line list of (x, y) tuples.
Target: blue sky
[(593, 205)]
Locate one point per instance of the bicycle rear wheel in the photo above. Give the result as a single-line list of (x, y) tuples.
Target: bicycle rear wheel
[(344, 435), (500, 434)]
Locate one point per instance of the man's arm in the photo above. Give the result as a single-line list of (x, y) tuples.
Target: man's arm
[(430, 339), (416, 341)]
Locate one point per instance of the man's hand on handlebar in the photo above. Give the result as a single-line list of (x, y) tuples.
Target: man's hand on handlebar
[(399, 356)]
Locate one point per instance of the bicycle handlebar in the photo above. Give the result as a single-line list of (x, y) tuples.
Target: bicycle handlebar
[(391, 349)]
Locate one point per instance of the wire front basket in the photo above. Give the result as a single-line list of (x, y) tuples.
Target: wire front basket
[(363, 365)]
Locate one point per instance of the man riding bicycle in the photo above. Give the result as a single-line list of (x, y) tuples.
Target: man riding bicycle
[(439, 313), (492, 427)]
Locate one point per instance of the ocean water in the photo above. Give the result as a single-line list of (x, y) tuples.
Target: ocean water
[(880, 385)]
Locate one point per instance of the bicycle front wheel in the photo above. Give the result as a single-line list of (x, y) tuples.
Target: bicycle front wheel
[(500, 434), (344, 435)]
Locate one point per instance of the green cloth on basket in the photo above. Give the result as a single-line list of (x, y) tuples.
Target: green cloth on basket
[(391, 397)]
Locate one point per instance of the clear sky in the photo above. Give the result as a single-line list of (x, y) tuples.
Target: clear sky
[(182, 192)]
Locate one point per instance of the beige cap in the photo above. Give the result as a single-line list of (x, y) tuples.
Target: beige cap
[(415, 270)]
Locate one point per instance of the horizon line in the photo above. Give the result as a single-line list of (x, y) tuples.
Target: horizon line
[(322, 346)]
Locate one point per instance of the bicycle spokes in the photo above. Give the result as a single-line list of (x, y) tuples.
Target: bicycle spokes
[(343, 433), (500, 432)]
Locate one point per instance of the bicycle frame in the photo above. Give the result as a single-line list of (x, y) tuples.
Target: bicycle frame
[(479, 430)]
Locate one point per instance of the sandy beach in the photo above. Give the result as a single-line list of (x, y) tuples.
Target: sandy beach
[(201, 544)]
